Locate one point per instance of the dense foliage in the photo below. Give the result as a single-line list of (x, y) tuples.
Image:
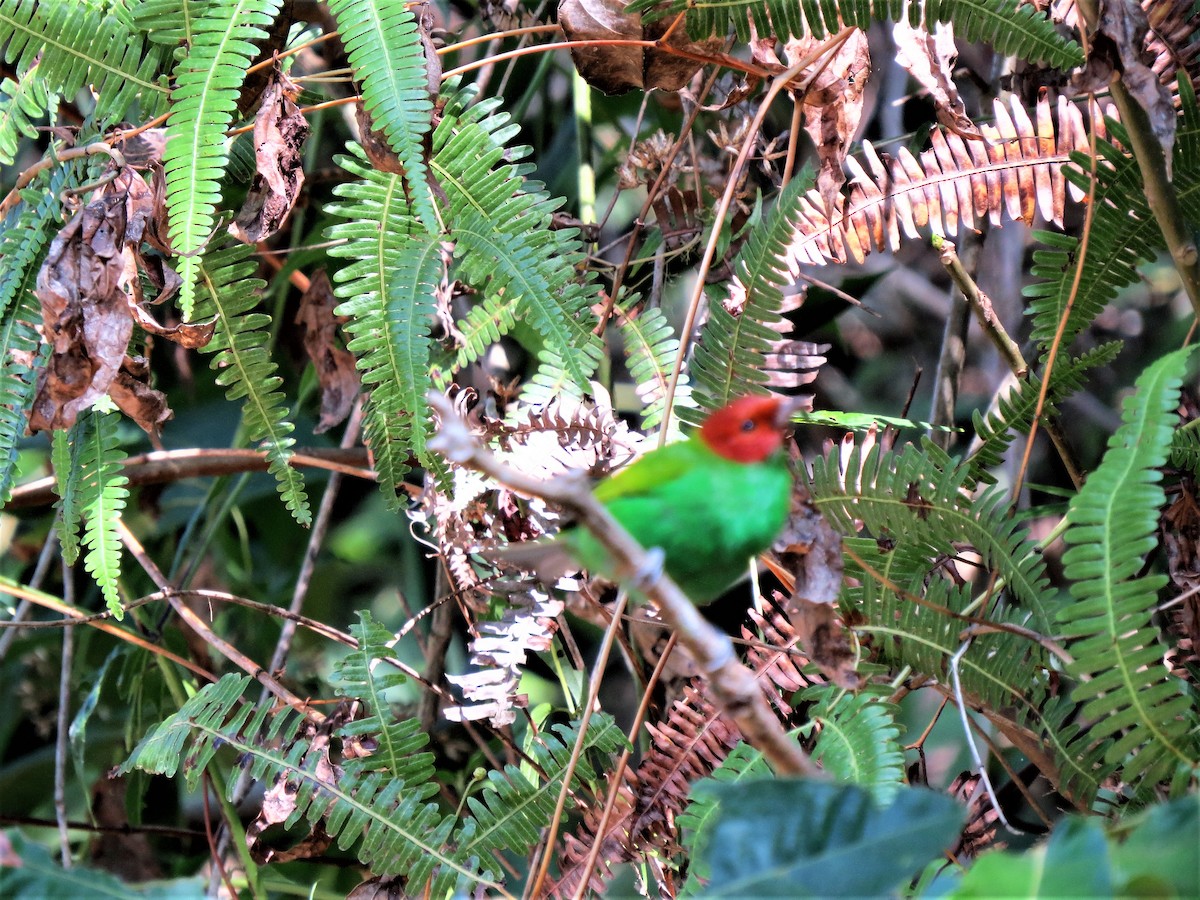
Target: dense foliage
[(259, 635)]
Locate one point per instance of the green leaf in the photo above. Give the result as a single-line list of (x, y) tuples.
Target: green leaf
[(207, 82), (39, 877), (859, 739), (26, 232), (102, 497), (1074, 863), (652, 348), (794, 838), (384, 47), (1159, 857), (230, 295), (1143, 720)]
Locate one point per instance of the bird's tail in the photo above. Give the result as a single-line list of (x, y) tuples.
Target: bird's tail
[(546, 558)]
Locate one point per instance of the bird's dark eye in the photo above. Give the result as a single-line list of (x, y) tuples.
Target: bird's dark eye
[(748, 425)]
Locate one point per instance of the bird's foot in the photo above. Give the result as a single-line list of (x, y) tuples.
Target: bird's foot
[(650, 571)]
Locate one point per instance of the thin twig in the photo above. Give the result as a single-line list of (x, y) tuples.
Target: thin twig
[(783, 81), (60, 739), (316, 538), (618, 773), (161, 466), (210, 637), (48, 601), (45, 557), (961, 703), (534, 886), (1009, 351)]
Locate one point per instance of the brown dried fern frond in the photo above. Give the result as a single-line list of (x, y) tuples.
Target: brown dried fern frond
[(691, 742), (1174, 38), (1016, 169)]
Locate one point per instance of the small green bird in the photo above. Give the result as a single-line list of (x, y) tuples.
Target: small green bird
[(709, 503)]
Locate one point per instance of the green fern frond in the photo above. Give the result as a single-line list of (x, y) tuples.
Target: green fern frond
[(207, 83), (505, 245), (743, 763), (530, 269), (1014, 412), (229, 293), (384, 47), (396, 832), (1000, 671), (170, 22), (1124, 231), (388, 293), (1139, 712), (102, 493), (76, 44), (485, 323), (365, 674), (20, 102), (651, 349), (921, 496), (729, 355), (1185, 449), (1011, 28), (66, 485), (859, 740), (511, 812)]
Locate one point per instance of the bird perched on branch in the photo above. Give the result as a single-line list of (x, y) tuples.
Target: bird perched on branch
[(708, 503)]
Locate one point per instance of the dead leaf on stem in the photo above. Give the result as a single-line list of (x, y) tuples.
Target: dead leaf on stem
[(90, 294), (82, 288), (811, 551), (334, 364), (929, 59), (833, 103), (131, 391), (279, 133), (1119, 46), (615, 69)]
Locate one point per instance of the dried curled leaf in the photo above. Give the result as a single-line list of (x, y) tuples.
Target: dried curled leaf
[(810, 551), (616, 69), (833, 103), (929, 59), (279, 133), (1119, 46), (83, 289), (132, 393), (334, 364)]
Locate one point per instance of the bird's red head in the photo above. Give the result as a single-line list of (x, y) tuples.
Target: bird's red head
[(748, 430)]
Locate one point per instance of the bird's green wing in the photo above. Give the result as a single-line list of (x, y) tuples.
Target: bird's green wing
[(655, 468)]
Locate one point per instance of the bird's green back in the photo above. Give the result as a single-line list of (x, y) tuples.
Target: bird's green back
[(708, 514)]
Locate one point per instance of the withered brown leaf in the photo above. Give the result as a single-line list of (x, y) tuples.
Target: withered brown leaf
[(134, 397), (617, 69), (811, 550), (1119, 45), (83, 288), (336, 372), (833, 103), (279, 133), (929, 59)]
